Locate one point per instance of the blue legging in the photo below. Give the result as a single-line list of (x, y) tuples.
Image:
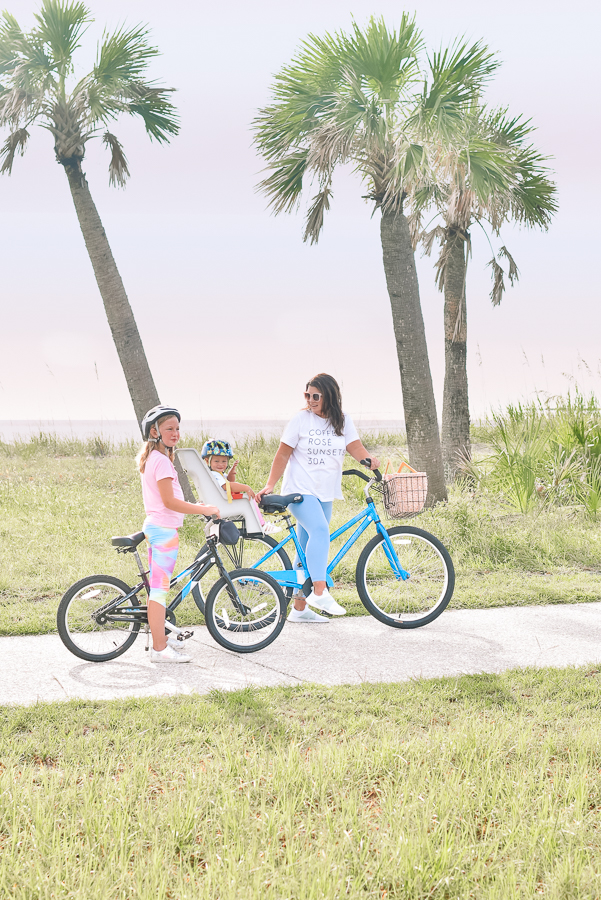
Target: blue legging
[(313, 518)]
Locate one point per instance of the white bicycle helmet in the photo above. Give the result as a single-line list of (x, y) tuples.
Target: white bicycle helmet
[(153, 415)]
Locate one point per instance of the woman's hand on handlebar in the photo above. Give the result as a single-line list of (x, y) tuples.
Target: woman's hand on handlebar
[(371, 462)]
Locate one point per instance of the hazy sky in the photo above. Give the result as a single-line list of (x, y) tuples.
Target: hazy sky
[(235, 311)]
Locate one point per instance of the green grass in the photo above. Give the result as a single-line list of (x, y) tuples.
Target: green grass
[(61, 501), (484, 786)]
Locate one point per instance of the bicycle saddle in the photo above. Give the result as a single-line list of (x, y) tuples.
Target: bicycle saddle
[(274, 503), (130, 541)]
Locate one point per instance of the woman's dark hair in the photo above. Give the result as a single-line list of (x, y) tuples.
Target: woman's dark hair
[(331, 407)]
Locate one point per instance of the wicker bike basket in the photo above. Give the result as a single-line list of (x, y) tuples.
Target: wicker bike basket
[(405, 492)]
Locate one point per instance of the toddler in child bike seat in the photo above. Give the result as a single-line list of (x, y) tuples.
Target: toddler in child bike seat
[(165, 509), (217, 455)]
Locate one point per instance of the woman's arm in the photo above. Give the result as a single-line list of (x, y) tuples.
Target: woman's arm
[(165, 486), (359, 452), (277, 470)]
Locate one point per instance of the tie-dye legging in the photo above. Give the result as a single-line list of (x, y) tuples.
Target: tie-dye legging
[(162, 554)]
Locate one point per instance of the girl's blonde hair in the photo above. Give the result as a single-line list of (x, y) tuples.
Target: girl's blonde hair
[(152, 444)]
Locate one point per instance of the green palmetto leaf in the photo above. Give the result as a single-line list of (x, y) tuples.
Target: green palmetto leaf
[(457, 76), (123, 56), (157, 112), (284, 186), (60, 27), (15, 143), (118, 169)]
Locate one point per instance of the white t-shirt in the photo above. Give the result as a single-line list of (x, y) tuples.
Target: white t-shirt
[(219, 478), (315, 466)]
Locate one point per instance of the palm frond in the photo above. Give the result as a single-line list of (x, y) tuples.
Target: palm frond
[(514, 272), (427, 238), (317, 210), (457, 75), (498, 287), (16, 105), (534, 199), (284, 186), (60, 28), (150, 102), (118, 169), (14, 143), (384, 60), (123, 56)]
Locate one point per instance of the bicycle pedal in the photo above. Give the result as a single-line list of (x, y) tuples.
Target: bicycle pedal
[(184, 635)]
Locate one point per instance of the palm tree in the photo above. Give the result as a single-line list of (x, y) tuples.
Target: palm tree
[(35, 74), (359, 98), (491, 175)]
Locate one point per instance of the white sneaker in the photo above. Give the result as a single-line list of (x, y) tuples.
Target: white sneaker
[(271, 528), (327, 603), (306, 615), (168, 655), (173, 642)]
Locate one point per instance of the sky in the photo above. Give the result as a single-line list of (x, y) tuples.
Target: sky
[(235, 311)]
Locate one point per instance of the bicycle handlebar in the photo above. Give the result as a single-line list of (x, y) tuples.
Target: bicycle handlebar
[(367, 463), (357, 473)]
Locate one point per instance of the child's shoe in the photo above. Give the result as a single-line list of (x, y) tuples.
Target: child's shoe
[(177, 645), (306, 615), (271, 528), (327, 603), (168, 655)]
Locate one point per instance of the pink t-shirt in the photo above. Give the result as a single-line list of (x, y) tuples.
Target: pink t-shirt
[(159, 466)]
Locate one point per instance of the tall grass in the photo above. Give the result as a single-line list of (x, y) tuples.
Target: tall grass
[(543, 454)]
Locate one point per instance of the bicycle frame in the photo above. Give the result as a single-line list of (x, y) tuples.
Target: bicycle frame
[(288, 577), (118, 610)]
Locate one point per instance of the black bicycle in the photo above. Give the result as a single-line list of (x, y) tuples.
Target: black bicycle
[(100, 616)]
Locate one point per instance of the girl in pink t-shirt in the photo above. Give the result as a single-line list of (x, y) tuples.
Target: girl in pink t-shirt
[(165, 508)]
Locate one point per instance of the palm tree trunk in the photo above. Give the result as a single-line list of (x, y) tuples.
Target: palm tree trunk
[(119, 313), (455, 404), (423, 438)]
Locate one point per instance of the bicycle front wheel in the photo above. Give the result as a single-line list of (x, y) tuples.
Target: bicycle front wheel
[(244, 555), (420, 598), (85, 632), (252, 620)]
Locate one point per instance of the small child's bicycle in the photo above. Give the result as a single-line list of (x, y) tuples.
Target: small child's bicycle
[(404, 576), (100, 616)]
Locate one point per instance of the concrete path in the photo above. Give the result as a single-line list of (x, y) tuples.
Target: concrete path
[(345, 651)]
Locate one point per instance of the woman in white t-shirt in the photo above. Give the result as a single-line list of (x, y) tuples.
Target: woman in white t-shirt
[(310, 457)]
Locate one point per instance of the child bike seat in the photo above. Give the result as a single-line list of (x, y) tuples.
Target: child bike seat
[(274, 503), (131, 541), (211, 494)]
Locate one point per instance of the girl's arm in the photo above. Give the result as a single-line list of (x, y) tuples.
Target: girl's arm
[(359, 452), (277, 470), (165, 486), (231, 475)]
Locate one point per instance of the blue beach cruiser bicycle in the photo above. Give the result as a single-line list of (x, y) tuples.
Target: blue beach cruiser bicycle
[(404, 575)]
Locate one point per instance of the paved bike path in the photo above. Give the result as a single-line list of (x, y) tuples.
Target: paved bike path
[(344, 651)]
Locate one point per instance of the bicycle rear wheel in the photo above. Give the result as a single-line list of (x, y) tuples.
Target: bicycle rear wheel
[(244, 555), (257, 623), (85, 633), (420, 598)]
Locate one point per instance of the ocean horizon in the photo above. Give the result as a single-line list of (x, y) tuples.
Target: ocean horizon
[(127, 429)]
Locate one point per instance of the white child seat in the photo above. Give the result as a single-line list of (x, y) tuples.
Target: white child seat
[(210, 493)]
